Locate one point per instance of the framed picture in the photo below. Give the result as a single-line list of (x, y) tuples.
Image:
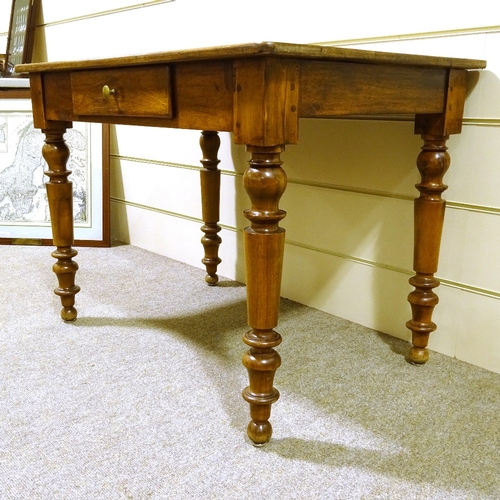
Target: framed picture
[(24, 212), (21, 34)]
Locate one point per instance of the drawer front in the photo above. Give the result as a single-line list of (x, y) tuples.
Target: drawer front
[(142, 91)]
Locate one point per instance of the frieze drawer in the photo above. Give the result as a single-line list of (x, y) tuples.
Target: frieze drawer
[(134, 91)]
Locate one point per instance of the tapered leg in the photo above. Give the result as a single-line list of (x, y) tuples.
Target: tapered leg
[(210, 200), (265, 182), (60, 197), (432, 162)]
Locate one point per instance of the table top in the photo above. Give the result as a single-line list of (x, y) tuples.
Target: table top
[(277, 49), (257, 90)]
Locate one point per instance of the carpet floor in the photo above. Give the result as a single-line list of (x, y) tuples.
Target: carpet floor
[(140, 398)]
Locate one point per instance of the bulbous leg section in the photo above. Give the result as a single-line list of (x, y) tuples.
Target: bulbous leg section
[(65, 269), (261, 364), (211, 242)]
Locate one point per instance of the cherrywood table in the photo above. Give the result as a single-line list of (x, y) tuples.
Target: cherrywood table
[(258, 92)]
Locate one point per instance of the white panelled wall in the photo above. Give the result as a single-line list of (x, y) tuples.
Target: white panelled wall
[(351, 183)]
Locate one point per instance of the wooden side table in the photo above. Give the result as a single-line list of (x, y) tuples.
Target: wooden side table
[(258, 92)]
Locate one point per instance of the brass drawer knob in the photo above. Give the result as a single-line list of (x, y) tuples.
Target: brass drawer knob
[(106, 92)]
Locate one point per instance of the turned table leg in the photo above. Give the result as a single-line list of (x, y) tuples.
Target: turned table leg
[(210, 201), (433, 162), (265, 182), (60, 198)]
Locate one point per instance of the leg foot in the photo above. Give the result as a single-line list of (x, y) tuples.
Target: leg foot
[(259, 433), (418, 355)]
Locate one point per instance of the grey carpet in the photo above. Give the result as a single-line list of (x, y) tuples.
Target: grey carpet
[(140, 398)]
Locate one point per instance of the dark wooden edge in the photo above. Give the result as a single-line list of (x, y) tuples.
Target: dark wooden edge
[(29, 35), (15, 93), (106, 202)]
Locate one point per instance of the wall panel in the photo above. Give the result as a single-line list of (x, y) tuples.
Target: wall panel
[(59, 12), (178, 189), (358, 226), (372, 155), (472, 155), (177, 237), (176, 146), (470, 249)]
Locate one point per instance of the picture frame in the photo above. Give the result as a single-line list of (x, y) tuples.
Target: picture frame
[(21, 35), (24, 214)]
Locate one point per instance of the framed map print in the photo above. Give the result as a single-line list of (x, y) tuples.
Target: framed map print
[(24, 211)]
